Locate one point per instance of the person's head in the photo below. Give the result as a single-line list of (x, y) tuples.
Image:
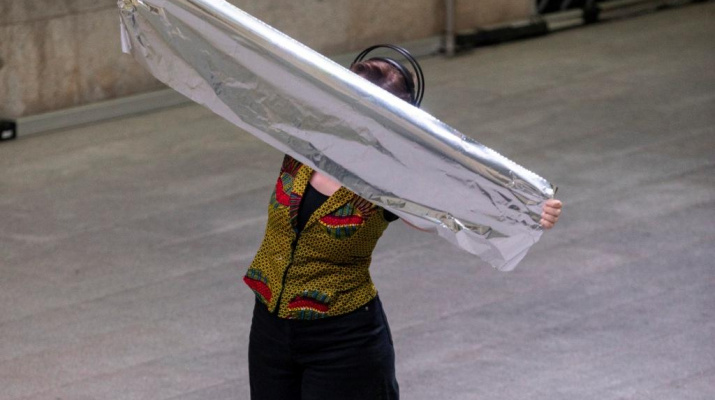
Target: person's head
[(390, 74), (386, 76)]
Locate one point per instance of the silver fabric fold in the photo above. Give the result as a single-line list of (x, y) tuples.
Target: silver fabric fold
[(303, 104)]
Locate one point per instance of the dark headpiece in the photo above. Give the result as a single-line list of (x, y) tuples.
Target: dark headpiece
[(416, 94)]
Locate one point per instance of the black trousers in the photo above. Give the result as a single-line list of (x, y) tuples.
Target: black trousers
[(347, 357)]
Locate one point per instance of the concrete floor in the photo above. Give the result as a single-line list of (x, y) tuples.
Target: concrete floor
[(123, 243)]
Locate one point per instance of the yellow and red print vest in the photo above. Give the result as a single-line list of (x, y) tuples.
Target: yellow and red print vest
[(323, 271)]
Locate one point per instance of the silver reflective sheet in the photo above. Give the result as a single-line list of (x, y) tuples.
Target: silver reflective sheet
[(303, 104)]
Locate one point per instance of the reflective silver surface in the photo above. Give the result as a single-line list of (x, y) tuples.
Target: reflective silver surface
[(303, 104)]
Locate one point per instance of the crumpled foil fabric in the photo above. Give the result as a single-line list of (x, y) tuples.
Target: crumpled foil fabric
[(303, 104)]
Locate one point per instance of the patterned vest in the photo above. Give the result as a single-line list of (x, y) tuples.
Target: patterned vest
[(323, 271)]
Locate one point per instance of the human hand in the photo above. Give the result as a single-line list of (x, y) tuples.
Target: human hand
[(550, 213)]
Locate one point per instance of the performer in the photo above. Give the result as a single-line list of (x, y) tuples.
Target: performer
[(318, 329)]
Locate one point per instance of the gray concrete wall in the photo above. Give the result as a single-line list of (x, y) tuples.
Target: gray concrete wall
[(60, 53), (56, 54)]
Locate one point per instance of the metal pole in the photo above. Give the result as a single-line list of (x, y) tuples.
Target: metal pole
[(449, 35)]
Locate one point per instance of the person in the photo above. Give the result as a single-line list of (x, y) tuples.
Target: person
[(319, 330)]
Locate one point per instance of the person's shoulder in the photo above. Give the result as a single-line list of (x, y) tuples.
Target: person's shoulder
[(370, 208), (290, 165)]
